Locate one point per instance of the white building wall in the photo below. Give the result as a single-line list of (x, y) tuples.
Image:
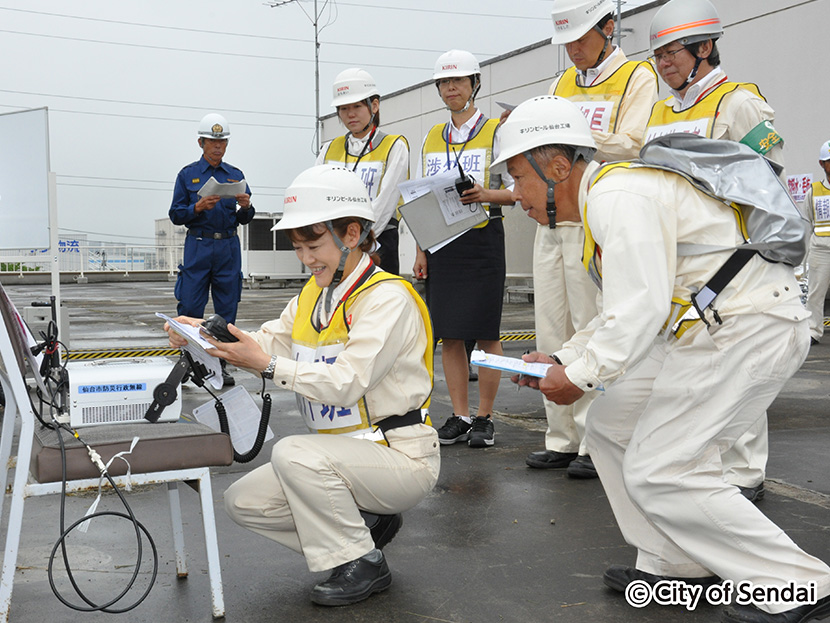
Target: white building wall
[(775, 43)]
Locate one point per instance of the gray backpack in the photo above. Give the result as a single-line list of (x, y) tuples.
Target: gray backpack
[(733, 173)]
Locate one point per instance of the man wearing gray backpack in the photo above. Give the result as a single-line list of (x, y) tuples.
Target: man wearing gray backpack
[(662, 243)]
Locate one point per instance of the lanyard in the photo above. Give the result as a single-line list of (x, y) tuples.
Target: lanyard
[(470, 135), (366, 145), (358, 282), (710, 89)]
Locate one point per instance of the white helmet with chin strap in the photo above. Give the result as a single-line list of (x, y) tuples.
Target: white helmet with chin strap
[(541, 121), (323, 194), (824, 152), (686, 22), (573, 18), (458, 64), (214, 125), (352, 86)]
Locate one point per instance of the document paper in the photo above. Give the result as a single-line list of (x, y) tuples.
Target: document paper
[(230, 189), (508, 364), (197, 346)]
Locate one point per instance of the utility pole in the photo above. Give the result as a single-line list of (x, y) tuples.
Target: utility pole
[(315, 20)]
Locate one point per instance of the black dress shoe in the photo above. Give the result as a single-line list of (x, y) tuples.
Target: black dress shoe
[(352, 582), (550, 459), (801, 614), (582, 467), (753, 494), (383, 527), (619, 577)]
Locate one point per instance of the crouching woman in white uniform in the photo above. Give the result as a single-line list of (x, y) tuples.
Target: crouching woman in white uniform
[(356, 348)]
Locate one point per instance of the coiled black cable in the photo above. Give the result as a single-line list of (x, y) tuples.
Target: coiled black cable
[(61, 542)]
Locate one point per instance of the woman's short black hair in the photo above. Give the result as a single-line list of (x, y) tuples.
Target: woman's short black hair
[(310, 233)]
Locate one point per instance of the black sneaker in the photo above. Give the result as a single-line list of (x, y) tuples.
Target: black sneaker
[(454, 429), (481, 432)]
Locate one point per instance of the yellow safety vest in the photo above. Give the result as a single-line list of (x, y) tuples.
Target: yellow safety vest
[(677, 322), (821, 209), (372, 165), (600, 102), (696, 119), (475, 156), (312, 344)]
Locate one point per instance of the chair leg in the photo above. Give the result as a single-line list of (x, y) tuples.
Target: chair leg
[(211, 545), (13, 537), (178, 532)]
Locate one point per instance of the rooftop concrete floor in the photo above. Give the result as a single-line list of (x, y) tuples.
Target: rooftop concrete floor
[(495, 541)]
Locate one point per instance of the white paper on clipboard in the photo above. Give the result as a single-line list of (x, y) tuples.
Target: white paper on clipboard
[(197, 346)]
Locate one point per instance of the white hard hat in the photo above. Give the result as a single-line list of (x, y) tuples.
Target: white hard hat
[(323, 193), (352, 86), (454, 64), (684, 21), (214, 125), (824, 152), (573, 18), (544, 120)]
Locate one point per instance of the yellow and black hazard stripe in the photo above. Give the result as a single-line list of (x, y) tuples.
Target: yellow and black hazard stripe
[(515, 336), (122, 353)]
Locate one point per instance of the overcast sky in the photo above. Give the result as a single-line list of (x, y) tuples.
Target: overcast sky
[(127, 82)]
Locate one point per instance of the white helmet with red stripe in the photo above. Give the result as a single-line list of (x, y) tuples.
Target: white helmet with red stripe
[(684, 21)]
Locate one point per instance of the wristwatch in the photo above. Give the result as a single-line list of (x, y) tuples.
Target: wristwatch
[(268, 373)]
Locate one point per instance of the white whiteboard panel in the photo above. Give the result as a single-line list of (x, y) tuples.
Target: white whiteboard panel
[(24, 180)]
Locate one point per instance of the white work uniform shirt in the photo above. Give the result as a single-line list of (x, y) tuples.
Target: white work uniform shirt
[(395, 172), (638, 217), (634, 111)]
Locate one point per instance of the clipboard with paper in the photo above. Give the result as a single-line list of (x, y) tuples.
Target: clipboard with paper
[(433, 210)]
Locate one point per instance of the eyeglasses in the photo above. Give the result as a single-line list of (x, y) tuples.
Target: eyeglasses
[(664, 56), (456, 81)]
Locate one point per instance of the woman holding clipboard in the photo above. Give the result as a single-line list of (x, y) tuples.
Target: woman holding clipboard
[(356, 348), (461, 307)]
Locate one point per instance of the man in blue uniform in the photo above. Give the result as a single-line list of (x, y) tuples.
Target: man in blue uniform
[(212, 259)]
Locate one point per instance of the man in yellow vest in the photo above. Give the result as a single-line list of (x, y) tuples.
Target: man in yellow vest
[(615, 95), (659, 459), (683, 36), (683, 41), (817, 205)]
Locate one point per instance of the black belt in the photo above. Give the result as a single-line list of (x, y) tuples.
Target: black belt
[(494, 211), (215, 235), (397, 421)]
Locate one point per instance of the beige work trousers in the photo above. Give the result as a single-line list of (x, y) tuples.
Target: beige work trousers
[(565, 300), (309, 496), (818, 280), (659, 457)]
